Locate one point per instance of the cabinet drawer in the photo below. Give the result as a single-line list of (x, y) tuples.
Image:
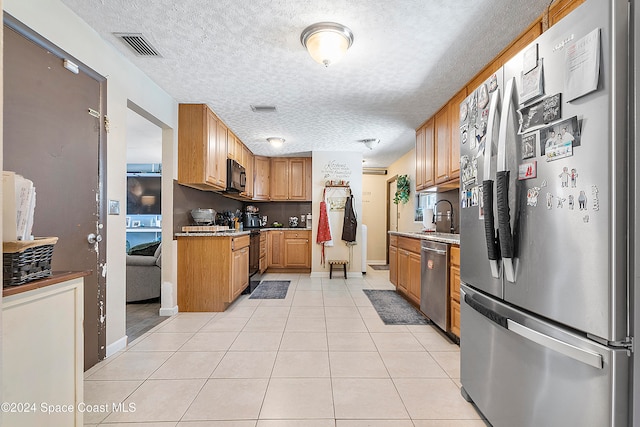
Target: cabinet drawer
[(454, 257), (292, 234), (239, 242), (393, 240), (412, 245)]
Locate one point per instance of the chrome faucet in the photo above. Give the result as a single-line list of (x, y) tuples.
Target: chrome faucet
[(434, 212)]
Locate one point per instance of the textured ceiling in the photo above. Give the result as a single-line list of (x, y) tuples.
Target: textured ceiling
[(408, 58)]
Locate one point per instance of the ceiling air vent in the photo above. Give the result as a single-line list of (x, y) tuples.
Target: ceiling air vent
[(138, 43), (374, 171), (263, 108)]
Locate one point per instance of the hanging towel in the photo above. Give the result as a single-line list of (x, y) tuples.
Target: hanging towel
[(324, 228), (350, 222)]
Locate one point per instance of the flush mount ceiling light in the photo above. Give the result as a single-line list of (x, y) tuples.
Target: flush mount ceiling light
[(370, 143), (327, 42), (275, 142)]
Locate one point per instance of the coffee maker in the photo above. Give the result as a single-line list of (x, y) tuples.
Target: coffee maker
[(251, 220)]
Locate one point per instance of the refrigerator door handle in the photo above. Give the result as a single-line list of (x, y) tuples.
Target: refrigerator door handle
[(485, 311), (585, 356), (509, 261), (493, 248)]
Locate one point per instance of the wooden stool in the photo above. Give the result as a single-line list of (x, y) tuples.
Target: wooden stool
[(342, 262)]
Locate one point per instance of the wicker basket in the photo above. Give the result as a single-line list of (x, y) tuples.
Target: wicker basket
[(25, 261)]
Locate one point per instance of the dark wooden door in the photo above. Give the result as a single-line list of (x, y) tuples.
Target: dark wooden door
[(51, 138)]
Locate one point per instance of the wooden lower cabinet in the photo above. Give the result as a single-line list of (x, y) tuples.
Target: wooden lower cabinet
[(212, 271), (404, 266), (393, 262), (297, 249), (275, 248), (289, 249), (263, 252), (454, 289)]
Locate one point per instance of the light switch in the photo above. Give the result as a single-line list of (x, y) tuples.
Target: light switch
[(114, 207)]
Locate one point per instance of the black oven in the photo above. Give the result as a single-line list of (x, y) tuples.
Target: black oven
[(254, 261)]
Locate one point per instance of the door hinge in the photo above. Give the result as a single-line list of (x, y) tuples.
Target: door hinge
[(106, 124)]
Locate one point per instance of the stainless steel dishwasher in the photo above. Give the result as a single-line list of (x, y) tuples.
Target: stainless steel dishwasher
[(434, 286)]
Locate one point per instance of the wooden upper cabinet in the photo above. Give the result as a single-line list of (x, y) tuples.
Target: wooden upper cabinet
[(262, 167), (429, 153), (221, 158), (454, 131), (298, 179), (201, 149), (290, 178), (561, 8), (424, 156), (279, 182), (248, 164), (420, 159), (443, 145), (526, 38), (234, 147)]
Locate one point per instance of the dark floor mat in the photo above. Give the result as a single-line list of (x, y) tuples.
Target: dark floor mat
[(379, 267), (271, 289), (393, 309)]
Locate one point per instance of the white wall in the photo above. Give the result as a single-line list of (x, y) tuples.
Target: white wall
[(125, 84), (347, 166)]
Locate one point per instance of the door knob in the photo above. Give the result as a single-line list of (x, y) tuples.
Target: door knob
[(92, 238)]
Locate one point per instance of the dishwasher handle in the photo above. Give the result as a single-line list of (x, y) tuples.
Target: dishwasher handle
[(437, 251)]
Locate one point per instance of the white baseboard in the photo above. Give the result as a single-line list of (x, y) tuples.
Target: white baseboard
[(337, 274), (167, 312), (377, 262), (115, 347)]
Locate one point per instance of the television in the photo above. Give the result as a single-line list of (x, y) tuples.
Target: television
[(143, 195)]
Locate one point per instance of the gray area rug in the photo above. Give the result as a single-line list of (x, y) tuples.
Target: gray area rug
[(271, 289), (379, 267), (393, 309)]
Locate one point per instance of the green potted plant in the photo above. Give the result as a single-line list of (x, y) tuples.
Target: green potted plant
[(403, 190)]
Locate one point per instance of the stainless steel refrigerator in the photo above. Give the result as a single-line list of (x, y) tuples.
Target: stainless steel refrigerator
[(545, 335)]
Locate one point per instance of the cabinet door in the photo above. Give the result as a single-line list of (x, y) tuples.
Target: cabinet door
[(561, 8), (239, 272), (279, 189), (221, 157), (443, 143), (275, 249), (212, 168), (455, 318), (420, 159), (403, 270), (454, 281), (454, 132), (248, 166), (296, 253), (261, 178), (528, 36), (393, 265), (297, 179), (414, 277), (428, 158)]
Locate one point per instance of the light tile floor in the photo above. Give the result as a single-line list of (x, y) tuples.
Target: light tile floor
[(321, 357)]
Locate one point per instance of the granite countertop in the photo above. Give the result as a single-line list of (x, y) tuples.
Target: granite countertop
[(230, 233), (233, 233), (453, 239)]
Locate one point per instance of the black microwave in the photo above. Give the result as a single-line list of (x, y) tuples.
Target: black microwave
[(236, 177)]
